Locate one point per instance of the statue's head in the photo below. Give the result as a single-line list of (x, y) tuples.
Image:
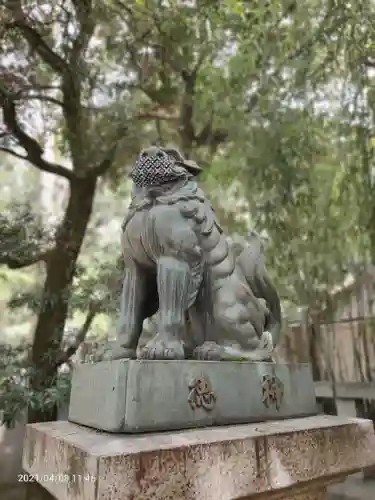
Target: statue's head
[(157, 166)]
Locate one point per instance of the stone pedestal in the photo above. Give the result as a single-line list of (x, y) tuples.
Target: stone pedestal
[(141, 396), (290, 459)]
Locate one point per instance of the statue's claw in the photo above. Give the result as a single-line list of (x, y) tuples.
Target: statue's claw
[(110, 352), (160, 348), (120, 353), (209, 351)]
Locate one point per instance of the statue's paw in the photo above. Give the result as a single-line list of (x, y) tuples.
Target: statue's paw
[(119, 353), (208, 351), (160, 348), (110, 351)]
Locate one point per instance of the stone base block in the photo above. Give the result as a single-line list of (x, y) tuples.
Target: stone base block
[(140, 396), (354, 488), (290, 459)]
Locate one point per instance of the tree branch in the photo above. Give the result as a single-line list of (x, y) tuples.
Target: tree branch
[(73, 110), (40, 98), (210, 137), (83, 10), (105, 164), (64, 356), (187, 131), (13, 153), (158, 114), (34, 152), (71, 70), (18, 263), (34, 38), (369, 63)]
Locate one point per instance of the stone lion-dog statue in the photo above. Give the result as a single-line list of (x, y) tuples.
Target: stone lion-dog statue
[(211, 304)]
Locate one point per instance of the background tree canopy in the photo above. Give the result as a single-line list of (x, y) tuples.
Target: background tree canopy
[(274, 99)]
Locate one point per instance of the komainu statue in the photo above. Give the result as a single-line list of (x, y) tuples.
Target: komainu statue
[(211, 304)]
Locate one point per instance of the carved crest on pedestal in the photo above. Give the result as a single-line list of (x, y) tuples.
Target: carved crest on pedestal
[(272, 391), (201, 394)]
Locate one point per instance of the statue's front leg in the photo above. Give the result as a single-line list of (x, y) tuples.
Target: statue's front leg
[(131, 314), (173, 281)]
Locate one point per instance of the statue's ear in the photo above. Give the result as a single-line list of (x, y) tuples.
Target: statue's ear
[(175, 154), (190, 165)]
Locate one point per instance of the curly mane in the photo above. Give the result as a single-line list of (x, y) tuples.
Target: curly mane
[(195, 204), (199, 209)]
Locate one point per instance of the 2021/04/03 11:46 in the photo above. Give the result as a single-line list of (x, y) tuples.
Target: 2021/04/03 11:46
[(54, 478)]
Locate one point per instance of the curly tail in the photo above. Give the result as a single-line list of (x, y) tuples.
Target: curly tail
[(251, 262)]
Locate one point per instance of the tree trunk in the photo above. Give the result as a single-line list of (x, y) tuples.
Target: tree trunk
[(314, 337), (51, 320), (60, 272)]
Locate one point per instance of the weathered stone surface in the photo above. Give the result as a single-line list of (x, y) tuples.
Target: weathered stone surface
[(138, 396), (354, 488), (312, 495), (287, 459), (212, 304)]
